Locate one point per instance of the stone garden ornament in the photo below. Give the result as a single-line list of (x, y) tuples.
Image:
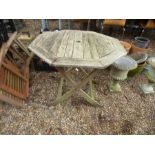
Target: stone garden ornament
[(150, 74), (120, 69), (140, 58)]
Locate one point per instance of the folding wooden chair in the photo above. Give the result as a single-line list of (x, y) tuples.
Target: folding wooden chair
[(149, 25), (114, 22), (14, 71)]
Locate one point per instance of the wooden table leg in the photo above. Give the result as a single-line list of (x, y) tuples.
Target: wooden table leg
[(82, 93), (90, 89), (60, 87), (76, 87)]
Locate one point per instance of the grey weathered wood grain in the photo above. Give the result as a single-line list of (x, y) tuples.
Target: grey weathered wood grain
[(86, 48), (48, 40), (102, 50), (54, 51), (78, 45), (70, 45), (92, 44), (74, 48), (63, 45)]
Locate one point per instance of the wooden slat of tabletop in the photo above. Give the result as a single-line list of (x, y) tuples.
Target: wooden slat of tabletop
[(70, 45), (39, 40), (92, 44), (49, 42), (78, 45), (54, 51), (63, 45), (102, 50), (86, 47), (42, 53)]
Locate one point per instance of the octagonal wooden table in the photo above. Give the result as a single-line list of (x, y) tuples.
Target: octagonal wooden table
[(69, 49)]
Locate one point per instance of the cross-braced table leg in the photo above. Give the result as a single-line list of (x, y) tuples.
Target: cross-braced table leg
[(66, 75), (90, 90), (60, 87)]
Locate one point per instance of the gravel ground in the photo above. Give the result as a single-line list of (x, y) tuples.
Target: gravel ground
[(129, 112)]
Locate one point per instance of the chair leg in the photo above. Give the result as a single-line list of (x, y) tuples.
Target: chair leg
[(101, 29), (142, 32), (69, 24), (88, 25), (123, 32)]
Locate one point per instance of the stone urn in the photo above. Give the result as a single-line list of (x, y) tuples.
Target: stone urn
[(150, 74), (140, 58), (119, 72)]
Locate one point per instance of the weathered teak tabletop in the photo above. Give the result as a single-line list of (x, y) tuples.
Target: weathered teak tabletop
[(74, 48)]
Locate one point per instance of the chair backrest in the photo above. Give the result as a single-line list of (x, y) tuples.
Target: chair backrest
[(14, 71), (80, 21), (114, 22), (150, 24)]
